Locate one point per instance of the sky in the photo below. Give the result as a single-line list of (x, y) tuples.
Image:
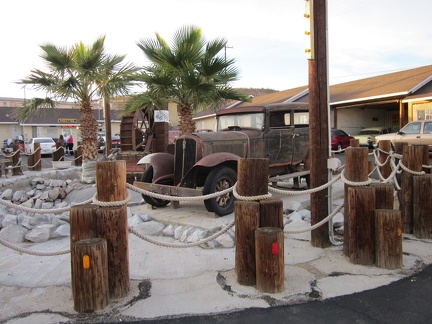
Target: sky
[(266, 38)]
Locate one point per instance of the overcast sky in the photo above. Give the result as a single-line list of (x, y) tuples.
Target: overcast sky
[(266, 38)]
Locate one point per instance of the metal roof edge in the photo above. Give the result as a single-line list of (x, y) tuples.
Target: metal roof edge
[(389, 95), (297, 96)]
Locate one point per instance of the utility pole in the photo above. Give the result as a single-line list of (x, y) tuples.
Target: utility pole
[(316, 15)]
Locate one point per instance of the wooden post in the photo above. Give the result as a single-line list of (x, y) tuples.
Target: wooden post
[(270, 270), (16, 166), (271, 213), (412, 161), (384, 195), (78, 154), (319, 124), (422, 206), (247, 216), (361, 205), (246, 222), (58, 154), (356, 164), (384, 146), (89, 268), (82, 220), (37, 156), (425, 160), (388, 239), (111, 187), (354, 142)]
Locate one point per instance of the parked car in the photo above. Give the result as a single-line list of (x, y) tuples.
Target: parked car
[(115, 141), (100, 143), (415, 132), (206, 162), (367, 136), (47, 145), (339, 139), (173, 135)]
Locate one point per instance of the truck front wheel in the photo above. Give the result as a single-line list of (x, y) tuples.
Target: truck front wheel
[(148, 177), (220, 179)]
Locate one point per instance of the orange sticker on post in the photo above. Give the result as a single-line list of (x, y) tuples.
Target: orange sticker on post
[(399, 232), (86, 262)]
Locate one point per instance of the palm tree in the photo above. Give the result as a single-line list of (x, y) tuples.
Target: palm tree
[(112, 80), (190, 73), (79, 73)]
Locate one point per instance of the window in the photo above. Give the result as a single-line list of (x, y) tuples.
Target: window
[(411, 128)]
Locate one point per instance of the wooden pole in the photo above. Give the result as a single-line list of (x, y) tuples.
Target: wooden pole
[(384, 146), (246, 222), (412, 161), (384, 195), (16, 166), (78, 154), (37, 156), (388, 239), (422, 206), (354, 142), (111, 187), (90, 270), (270, 270), (361, 205), (247, 215), (356, 163), (425, 160), (271, 213), (59, 152), (319, 122)]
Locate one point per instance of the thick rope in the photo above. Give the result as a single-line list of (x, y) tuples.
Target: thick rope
[(31, 252)]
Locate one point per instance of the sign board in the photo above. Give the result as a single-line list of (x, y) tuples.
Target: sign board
[(67, 121), (161, 116)]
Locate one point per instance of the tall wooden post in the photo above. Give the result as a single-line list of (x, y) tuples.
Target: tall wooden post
[(384, 146), (356, 164), (319, 122), (412, 159), (15, 160), (112, 223), (247, 216), (422, 206), (59, 152)]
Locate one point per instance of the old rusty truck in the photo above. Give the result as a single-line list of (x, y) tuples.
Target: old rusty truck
[(206, 162)]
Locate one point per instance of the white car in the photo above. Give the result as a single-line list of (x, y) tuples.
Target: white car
[(415, 132), (367, 136), (47, 145)]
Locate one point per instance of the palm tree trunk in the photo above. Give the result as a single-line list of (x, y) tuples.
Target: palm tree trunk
[(187, 126), (89, 143)]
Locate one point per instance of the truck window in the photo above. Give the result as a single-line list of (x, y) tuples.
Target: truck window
[(253, 120)]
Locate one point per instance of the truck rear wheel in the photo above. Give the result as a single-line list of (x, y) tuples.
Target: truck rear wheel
[(220, 179), (148, 177)]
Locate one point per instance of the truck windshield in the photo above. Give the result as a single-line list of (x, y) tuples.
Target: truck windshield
[(252, 120)]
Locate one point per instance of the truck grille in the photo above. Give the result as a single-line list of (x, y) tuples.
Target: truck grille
[(185, 157)]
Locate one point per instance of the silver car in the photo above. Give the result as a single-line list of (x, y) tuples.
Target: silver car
[(47, 145), (415, 132)]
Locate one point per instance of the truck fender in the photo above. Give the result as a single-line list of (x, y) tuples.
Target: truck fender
[(214, 159), (162, 163)]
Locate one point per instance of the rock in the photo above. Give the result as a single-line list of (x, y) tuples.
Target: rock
[(53, 194), (295, 216), (9, 220), (197, 235), (61, 231), (13, 234), (168, 231), (17, 195), (149, 228), (39, 234), (7, 194), (225, 240), (134, 220), (292, 206)]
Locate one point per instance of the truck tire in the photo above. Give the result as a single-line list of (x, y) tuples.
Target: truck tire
[(220, 179), (148, 177)]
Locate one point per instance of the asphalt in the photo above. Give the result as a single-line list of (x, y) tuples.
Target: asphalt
[(199, 285)]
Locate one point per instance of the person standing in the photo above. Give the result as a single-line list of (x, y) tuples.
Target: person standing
[(70, 144), (66, 137)]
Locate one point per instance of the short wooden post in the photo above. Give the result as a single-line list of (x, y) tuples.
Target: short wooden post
[(37, 157), (384, 151), (112, 223), (58, 154), (90, 270), (356, 170), (354, 142), (384, 195), (422, 206), (271, 213), (361, 206), (78, 154), (412, 161), (388, 239), (399, 149), (247, 217), (270, 270), (16, 166)]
